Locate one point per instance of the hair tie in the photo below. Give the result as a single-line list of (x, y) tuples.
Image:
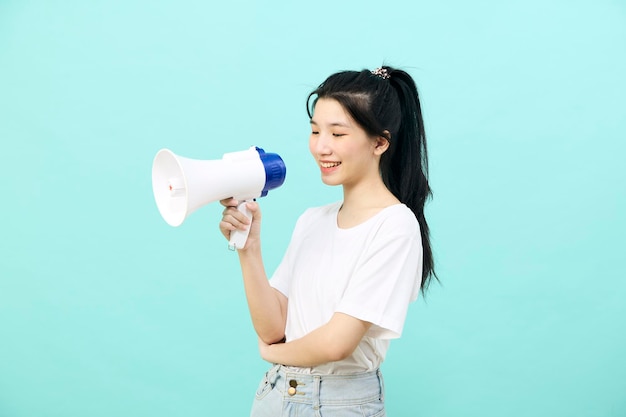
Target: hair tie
[(382, 73)]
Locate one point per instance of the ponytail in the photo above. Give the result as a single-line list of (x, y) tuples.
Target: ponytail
[(405, 169)]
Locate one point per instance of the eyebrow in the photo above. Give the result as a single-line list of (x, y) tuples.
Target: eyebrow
[(335, 124)]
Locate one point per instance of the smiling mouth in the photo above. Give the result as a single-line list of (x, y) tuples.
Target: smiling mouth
[(329, 164)]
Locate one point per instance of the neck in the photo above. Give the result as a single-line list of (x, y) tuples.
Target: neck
[(368, 193), (364, 200)]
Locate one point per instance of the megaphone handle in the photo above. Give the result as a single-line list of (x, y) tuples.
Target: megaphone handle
[(238, 237)]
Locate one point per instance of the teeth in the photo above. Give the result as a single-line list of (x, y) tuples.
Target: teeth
[(329, 164)]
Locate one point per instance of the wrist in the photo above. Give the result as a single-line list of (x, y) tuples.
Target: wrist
[(251, 248)]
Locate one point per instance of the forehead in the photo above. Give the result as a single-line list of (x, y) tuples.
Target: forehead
[(329, 111)]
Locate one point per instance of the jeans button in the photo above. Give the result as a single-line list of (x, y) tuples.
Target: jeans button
[(292, 387)]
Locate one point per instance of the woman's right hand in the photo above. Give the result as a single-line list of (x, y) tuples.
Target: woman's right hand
[(233, 219)]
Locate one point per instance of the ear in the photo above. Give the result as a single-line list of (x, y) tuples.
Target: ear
[(382, 143)]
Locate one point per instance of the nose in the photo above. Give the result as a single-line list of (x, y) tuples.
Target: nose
[(320, 144)]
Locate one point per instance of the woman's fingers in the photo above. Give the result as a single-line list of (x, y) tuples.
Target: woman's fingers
[(235, 218), (229, 202)]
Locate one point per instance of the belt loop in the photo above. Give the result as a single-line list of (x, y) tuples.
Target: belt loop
[(272, 375), (316, 391), (381, 383)]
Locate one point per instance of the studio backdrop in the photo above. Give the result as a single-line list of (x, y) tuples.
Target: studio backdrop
[(106, 310)]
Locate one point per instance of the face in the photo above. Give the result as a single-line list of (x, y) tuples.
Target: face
[(345, 153)]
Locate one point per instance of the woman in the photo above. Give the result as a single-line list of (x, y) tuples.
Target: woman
[(342, 290)]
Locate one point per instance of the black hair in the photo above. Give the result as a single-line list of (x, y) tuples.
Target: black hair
[(386, 103)]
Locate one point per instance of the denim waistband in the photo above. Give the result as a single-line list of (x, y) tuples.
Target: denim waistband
[(332, 389)]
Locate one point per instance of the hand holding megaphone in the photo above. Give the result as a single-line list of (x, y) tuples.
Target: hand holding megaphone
[(182, 185)]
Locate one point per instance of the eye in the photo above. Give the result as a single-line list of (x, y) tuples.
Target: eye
[(315, 132), (338, 135)]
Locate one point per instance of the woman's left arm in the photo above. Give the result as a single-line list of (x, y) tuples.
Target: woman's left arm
[(334, 341)]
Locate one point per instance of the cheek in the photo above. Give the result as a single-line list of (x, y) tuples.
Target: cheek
[(358, 149)]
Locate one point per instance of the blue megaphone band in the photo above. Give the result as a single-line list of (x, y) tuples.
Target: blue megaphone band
[(275, 170)]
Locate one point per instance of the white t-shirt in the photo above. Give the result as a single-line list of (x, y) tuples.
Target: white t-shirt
[(371, 271)]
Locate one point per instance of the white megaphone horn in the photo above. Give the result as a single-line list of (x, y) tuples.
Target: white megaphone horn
[(182, 185)]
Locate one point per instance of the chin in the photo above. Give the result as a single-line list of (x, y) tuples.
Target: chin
[(330, 181)]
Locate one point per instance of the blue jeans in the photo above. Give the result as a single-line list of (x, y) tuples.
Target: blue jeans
[(285, 394)]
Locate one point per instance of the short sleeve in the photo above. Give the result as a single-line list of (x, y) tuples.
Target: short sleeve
[(386, 280), (281, 277)]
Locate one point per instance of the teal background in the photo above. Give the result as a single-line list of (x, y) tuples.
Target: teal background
[(105, 310)]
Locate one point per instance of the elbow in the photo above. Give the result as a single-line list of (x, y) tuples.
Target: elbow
[(272, 338), (270, 335)]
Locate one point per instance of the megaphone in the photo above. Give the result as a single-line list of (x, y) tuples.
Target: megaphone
[(182, 185)]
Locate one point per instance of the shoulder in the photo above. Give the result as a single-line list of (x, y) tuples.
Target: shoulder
[(397, 219), (316, 218), (316, 213)]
